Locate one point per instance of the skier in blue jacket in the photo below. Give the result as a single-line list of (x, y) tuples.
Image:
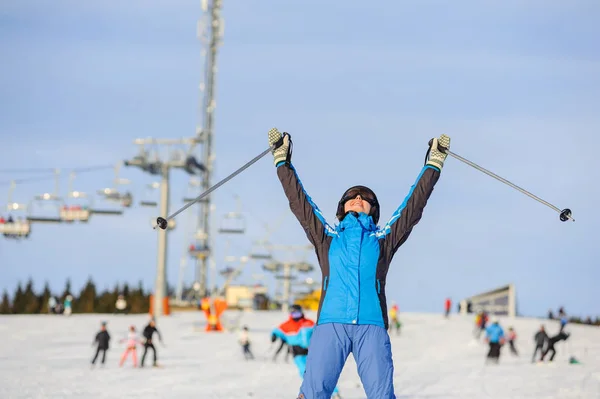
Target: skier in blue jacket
[(354, 257), (495, 339)]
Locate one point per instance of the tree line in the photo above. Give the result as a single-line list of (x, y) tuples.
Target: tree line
[(26, 300)]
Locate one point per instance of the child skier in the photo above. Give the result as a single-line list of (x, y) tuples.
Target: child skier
[(354, 257), (132, 341), (102, 340), (244, 340)]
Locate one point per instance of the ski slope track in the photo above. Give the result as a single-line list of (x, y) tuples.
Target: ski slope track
[(44, 356)]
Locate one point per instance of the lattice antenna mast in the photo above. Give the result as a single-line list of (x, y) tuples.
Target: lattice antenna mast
[(205, 134)]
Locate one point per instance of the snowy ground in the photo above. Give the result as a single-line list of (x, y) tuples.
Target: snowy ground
[(48, 357)]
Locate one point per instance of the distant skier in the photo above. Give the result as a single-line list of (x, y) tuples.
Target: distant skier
[(298, 331), (563, 319), (244, 340), (102, 341), (561, 336), (540, 339), (495, 339), (394, 320), (131, 341), (121, 305), (148, 332), (52, 305), (480, 323), (447, 307), (68, 303), (511, 338)]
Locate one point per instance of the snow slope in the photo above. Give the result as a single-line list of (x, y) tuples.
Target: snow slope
[(46, 356)]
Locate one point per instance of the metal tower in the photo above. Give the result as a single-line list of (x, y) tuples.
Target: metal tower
[(210, 33)]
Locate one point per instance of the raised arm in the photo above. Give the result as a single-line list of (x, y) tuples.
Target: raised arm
[(306, 211), (409, 213)]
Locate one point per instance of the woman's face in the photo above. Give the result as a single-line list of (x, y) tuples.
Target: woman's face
[(357, 204)]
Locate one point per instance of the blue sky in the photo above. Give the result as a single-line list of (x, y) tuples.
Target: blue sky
[(361, 89)]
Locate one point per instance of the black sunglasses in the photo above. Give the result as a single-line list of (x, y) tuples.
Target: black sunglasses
[(363, 194)]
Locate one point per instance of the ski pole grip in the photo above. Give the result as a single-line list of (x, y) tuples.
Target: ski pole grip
[(439, 147)]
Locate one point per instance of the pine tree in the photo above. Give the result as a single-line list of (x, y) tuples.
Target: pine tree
[(67, 291), (86, 302), (18, 301), (5, 304), (44, 298), (105, 302), (32, 305)]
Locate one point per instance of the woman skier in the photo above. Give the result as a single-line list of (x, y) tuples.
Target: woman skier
[(354, 257)]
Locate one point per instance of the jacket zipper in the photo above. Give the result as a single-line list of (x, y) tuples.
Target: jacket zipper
[(358, 299)]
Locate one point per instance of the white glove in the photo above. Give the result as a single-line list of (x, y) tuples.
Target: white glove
[(437, 149), (282, 153)]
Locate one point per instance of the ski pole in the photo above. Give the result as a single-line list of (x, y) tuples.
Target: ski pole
[(565, 214), (162, 222)]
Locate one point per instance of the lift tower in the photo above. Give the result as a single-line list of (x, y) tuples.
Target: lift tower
[(155, 164), (210, 33)]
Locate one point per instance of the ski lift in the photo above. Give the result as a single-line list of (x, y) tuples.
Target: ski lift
[(149, 191), (193, 192), (304, 267), (272, 267), (233, 223), (111, 194), (284, 277), (106, 209), (46, 201), (75, 212), (11, 228), (260, 252), (228, 271)]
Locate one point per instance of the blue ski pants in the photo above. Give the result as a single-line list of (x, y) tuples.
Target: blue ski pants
[(300, 362), (329, 348)]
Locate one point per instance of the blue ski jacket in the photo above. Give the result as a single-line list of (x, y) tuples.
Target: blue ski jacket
[(494, 333), (355, 255)]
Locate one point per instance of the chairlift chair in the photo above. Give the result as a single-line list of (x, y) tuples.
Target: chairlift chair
[(260, 252), (272, 267), (75, 212), (304, 267), (149, 201), (109, 196), (284, 277), (19, 228), (44, 199), (233, 223)]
